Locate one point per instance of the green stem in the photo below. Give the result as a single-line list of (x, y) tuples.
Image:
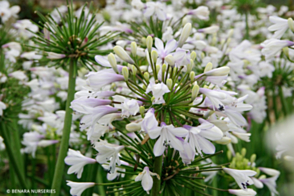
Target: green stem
[(12, 158), (66, 131), (283, 101), (247, 26), (156, 182), (100, 180)]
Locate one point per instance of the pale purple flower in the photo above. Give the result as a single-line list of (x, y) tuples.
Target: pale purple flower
[(83, 105), (199, 137), (271, 184), (146, 179), (201, 12), (155, 8), (77, 188), (271, 47), (241, 192), (162, 51), (149, 122), (182, 57), (101, 78), (242, 177), (77, 162), (158, 90), (167, 136), (108, 152), (130, 107), (280, 26)]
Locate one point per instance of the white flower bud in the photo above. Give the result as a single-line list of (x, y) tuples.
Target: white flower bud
[(142, 111), (125, 73), (195, 91), (132, 127), (121, 53), (231, 32), (208, 67), (146, 76), (224, 140), (170, 60), (291, 24), (193, 55), (169, 83), (192, 76), (149, 43), (112, 61), (157, 68), (134, 69), (134, 48), (185, 34), (154, 56), (190, 66), (222, 71)]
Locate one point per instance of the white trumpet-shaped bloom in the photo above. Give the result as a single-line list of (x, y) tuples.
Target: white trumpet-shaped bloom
[(77, 188), (146, 179), (77, 162), (242, 177), (167, 136)]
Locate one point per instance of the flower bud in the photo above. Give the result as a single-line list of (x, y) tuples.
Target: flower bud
[(193, 55), (170, 60), (142, 111), (149, 43), (208, 67), (190, 66), (291, 24), (184, 21), (146, 76), (157, 68), (144, 87), (163, 68), (185, 34), (134, 48), (125, 73), (202, 55), (192, 76), (225, 140), (195, 91), (243, 152), (286, 51), (132, 127), (222, 71), (152, 99), (154, 56), (143, 40), (229, 154), (214, 40), (112, 61), (169, 83), (134, 69), (231, 32), (121, 53), (252, 158)]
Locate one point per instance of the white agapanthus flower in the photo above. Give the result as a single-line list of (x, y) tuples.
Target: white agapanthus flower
[(158, 90), (279, 27), (242, 177), (77, 188), (241, 192), (146, 179), (77, 162), (129, 107)]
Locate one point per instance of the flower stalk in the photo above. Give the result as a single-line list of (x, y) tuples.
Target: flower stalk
[(66, 130)]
